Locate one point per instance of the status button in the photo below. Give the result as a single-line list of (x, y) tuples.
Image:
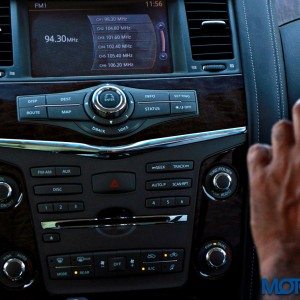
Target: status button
[(147, 110)]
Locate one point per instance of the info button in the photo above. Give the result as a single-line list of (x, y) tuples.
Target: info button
[(153, 96)]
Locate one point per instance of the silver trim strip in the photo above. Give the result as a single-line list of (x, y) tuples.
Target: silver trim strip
[(153, 144), (216, 22), (134, 221)]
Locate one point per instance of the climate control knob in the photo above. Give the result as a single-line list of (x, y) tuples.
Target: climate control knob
[(5, 191), (222, 181), (10, 194), (14, 269), (216, 257), (109, 102), (213, 259)]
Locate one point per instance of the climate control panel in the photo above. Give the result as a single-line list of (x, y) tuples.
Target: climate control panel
[(108, 111), (116, 263)]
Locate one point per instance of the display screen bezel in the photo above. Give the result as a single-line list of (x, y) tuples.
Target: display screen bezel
[(36, 72)]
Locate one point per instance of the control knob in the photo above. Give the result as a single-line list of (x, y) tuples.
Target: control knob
[(213, 259), (109, 102), (14, 269), (216, 257), (5, 191), (221, 182), (10, 194)]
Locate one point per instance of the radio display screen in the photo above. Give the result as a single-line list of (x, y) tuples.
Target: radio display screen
[(86, 38)]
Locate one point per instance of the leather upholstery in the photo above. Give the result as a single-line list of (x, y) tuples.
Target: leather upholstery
[(266, 92)]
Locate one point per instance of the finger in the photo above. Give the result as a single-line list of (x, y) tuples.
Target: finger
[(296, 121), (282, 139), (259, 156)]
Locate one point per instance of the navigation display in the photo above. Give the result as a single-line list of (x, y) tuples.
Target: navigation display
[(77, 38)]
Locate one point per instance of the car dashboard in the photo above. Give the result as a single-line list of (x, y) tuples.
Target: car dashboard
[(124, 132)]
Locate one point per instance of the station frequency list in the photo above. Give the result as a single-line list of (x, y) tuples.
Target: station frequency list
[(123, 42)]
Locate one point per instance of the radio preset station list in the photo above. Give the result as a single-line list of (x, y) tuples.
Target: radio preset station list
[(68, 39)]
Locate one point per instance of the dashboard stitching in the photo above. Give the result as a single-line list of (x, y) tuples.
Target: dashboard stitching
[(258, 120), (278, 61), (274, 59), (253, 70)]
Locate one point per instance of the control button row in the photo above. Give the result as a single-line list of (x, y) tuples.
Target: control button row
[(55, 172), (168, 184), (161, 96), (58, 189), (118, 263), (173, 166), (72, 113), (52, 99), (167, 202), (62, 207), (163, 103), (67, 106), (147, 110)]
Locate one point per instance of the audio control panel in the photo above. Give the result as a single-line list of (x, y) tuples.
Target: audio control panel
[(108, 111)]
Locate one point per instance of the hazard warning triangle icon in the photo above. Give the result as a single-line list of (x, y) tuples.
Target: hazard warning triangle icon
[(114, 184)]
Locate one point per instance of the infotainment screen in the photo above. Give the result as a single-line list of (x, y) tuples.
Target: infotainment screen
[(77, 38)]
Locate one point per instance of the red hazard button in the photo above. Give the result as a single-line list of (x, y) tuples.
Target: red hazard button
[(107, 183), (115, 184)]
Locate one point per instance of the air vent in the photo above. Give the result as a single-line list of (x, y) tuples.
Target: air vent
[(209, 27), (6, 54)]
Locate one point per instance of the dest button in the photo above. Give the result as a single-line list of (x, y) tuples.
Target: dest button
[(65, 99)]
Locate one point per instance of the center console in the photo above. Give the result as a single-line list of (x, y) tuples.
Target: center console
[(122, 149)]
